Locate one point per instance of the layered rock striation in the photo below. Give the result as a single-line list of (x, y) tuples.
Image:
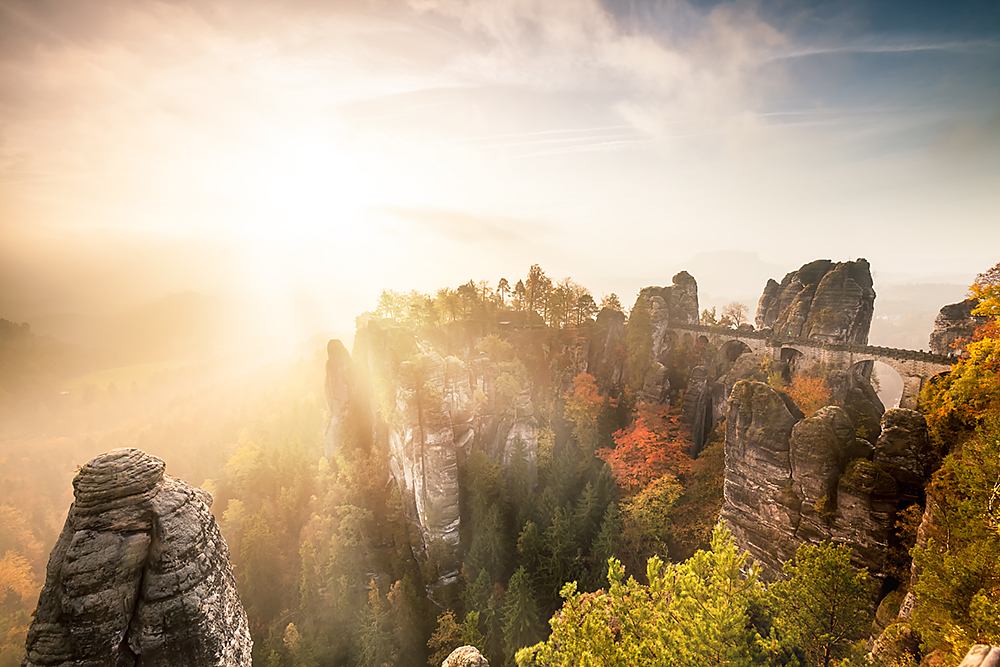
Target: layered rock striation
[(790, 479), (828, 301), (140, 576), (431, 422)]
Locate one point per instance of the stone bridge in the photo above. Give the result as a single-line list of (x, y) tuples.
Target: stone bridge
[(915, 367)]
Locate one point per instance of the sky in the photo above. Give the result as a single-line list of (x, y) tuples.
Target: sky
[(307, 154)]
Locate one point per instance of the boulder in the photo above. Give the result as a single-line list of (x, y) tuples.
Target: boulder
[(465, 656), (140, 575)]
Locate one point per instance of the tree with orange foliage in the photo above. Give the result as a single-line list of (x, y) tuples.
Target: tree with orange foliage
[(656, 444), (809, 393)]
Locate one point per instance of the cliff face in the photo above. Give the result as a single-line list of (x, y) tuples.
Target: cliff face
[(828, 301), (790, 480), (955, 321), (431, 422), (140, 575), (426, 412)]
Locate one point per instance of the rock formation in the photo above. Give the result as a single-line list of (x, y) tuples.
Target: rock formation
[(790, 480), (433, 418), (824, 300), (955, 321), (140, 575), (606, 359), (465, 656), (425, 412), (982, 655), (671, 306), (339, 390), (698, 407)]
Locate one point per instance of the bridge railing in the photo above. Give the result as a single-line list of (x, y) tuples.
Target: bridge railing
[(777, 340)]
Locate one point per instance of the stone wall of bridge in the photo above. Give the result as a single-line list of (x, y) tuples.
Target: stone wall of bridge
[(914, 366)]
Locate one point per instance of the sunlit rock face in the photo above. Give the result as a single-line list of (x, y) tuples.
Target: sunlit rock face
[(432, 419), (824, 300), (954, 323), (140, 575), (427, 411), (339, 390), (790, 480)]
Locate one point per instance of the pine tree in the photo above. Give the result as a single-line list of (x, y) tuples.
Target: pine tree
[(521, 626), (824, 605), (376, 641)]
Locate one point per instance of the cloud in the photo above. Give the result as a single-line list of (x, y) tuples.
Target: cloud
[(984, 46), (464, 227)]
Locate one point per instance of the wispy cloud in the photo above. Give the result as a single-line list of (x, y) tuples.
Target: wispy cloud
[(970, 46)]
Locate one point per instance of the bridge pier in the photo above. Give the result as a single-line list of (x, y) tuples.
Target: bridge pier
[(912, 384)]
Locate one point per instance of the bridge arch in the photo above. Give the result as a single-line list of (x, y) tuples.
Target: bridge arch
[(889, 384), (728, 353), (794, 360)]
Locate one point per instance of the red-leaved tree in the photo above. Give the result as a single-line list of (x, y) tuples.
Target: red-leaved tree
[(656, 444)]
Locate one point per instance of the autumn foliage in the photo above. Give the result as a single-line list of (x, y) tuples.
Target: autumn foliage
[(656, 444), (809, 393)]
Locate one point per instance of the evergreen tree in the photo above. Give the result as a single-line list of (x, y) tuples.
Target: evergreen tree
[(521, 626), (376, 641), (824, 605)]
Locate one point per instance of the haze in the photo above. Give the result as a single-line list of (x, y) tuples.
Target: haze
[(303, 156)]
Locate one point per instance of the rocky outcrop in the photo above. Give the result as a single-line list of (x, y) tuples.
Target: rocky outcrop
[(698, 407), (759, 505), (656, 388), (824, 300), (790, 480), (140, 575), (432, 419), (982, 655), (340, 390), (427, 412), (852, 390), (904, 451), (606, 358), (676, 305), (954, 322), (465, 656)]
